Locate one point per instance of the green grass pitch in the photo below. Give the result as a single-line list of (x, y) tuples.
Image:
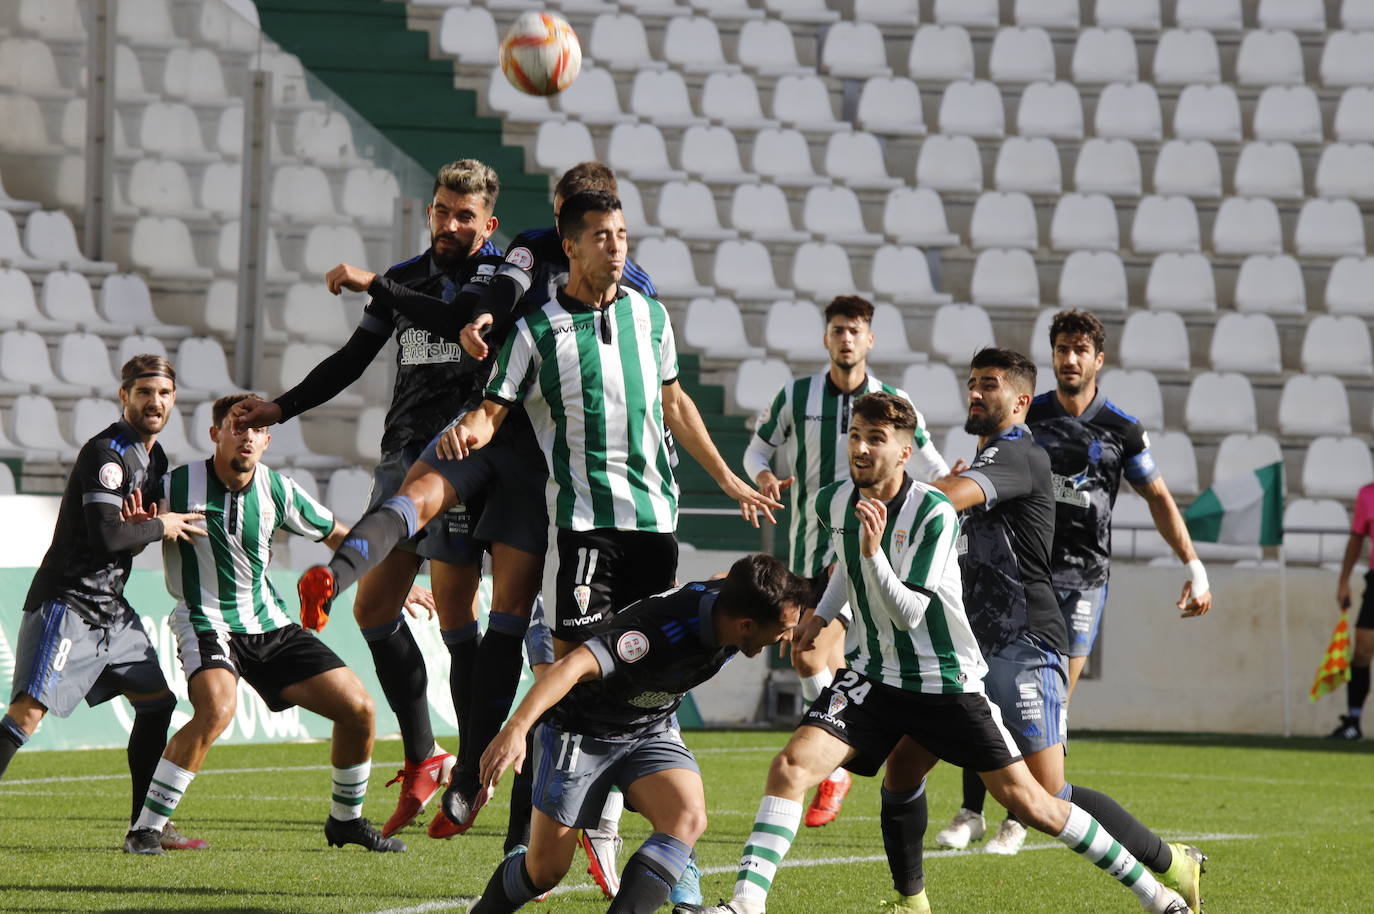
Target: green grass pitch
[(1289, 826)]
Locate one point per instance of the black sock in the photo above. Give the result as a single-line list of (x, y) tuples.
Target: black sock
[(499, 663), (508, 889), (462, 655), (401, 671), (1358, 689), (1149, 848), (147, 739), (12, 739), (904, 820), (975, 791), (521, 800), (372, 540), (650, 875)]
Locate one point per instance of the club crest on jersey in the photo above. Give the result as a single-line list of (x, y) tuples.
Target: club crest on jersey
[(583, 595), (520, 257), (632, 646), (642, 326), (111, 475), (899, 539)]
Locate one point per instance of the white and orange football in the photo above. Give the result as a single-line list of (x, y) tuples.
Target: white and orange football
[(540, 54)]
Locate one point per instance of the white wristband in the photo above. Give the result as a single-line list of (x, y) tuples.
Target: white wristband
[(1198, 574)]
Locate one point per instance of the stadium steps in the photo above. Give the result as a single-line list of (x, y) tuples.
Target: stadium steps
[(382, 69)]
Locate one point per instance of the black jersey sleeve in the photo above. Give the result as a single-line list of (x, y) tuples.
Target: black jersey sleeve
[(1002, 471), (635, 644), (1137, 463), (103, 478), (445, 319), (511, 281), (332, 376)]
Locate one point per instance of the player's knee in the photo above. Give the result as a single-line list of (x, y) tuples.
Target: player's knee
[(691, 825), (213, 715), (546, 871), (788, 774), (1035, 808), (360, 711)]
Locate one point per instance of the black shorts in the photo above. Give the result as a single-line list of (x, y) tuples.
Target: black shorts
[(964, 729), (602, 571), (1366, 617), (269, 662)]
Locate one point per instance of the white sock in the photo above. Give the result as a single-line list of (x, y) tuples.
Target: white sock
[(775, 828), (164, 793), (1085, 835), (348, 790), (611, 812), (837, 775), (812, 685)]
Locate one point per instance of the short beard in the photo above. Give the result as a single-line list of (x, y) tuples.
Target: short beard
[(447, 262), (144, 423), (984, 425), (240, 464)]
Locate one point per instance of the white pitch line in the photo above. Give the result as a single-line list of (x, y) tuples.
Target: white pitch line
[(449, 904)]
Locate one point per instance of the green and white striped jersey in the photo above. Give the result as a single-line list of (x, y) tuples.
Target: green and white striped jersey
[(932, 650), (222, 578), (592, 383), (806, 428)]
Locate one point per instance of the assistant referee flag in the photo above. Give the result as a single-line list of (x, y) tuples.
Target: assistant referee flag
[(1243, 510)]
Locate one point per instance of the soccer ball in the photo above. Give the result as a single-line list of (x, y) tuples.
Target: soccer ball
[(541, 55)]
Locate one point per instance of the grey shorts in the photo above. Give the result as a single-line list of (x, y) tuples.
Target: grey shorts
[(1082, 611), (61, 658), (573, 773), (450, 537), (538, 638), (1028, 681)]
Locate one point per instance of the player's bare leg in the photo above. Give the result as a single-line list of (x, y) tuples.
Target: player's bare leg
[(338, 695), (674, 802), (21, 718), (816, 669), (1076, 665), (522, 876)]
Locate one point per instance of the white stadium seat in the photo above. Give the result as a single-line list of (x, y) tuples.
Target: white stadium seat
[(66, 296), (202, 369), (617, 41), (1357, 14), (1050, 14), (782, 156), (134, 344), (24, 366), (1346, 170), (1354, 121), (732, 99), (1028, 164), (669, 262), (856, 158), (746, 269), (939, 393), (1138, 15), (1314, 405), (147, 23), (915, 215), (559, 146), (194, 75), (1247, 226), (326, 246), (26, 129), (1220, 404), (83, 360), (902, 274), (977, 13), (959, 331), (310, 313), (712, 154), (55, 20), (1181, 282), (19, 306), (288, 444), (1334, 467), (1247, 343), (161, 188), (972, 109), (1208, 113), (1129, 111), (51, 236), (804, 102), (1005, 278), (1108, 167), (1165, 224), (1050, 109), (660, 97), (27, 66), (802, 11), (1093, 280), (469, 33), (90, 416), (1040, 338), (1299, 15), (724, 10), (1190, 168), (833, 214), (298, 359), (1003, 220), (1348, 286), (1186, 56), (1269, 58), (767, 47), (1216, 15), (1103, 56), (640, 151), (1137, 391), (125, 299), (1155, 340), (1021, 55), (12, 250), (1320, 514), (591, 98), (890, 344), (950, 163), (1240, 453), (854, 50), (1270, 284), (891, 106), (1272, 170), (1288, 113), (221, 189), (714, 326), (1084, 222), (758, 380), (302, 193), (792, 328), (761, 212), (349, 490), (34, 427), (1346, 59), (687, 209), (822, 270), (886, 12), (1173, 453), (129, 85), (1329, 228), (369, 195), (1339, 345), (941, 53)]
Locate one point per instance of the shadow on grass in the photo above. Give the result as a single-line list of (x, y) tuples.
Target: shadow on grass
[(1227, 741)]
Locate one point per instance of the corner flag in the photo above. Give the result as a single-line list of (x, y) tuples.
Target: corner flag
[(1334, 671), (1243, 510)]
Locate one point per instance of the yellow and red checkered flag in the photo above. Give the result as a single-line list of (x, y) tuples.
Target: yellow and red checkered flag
[(1334, 671)]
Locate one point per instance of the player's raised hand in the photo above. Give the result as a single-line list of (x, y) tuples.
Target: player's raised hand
[(1194, 606), (254, 413), (354, 279), (804, 635), (455, 442), (752, 503), (772, 486), (133, 512), (872, 516), (182, 526), (474, 336), (507, 750), (420, 598)]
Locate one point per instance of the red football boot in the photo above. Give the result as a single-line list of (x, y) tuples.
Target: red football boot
[(825, 805), (457, 812), (173, 840), (316, 590), (419, 784)]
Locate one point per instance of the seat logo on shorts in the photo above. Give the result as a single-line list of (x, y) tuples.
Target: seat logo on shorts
[(632, 646), (583, 595)]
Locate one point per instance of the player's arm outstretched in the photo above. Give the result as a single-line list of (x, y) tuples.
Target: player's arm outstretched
[(773, 429), (1197, 593), (507, 750), (683, 419)]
